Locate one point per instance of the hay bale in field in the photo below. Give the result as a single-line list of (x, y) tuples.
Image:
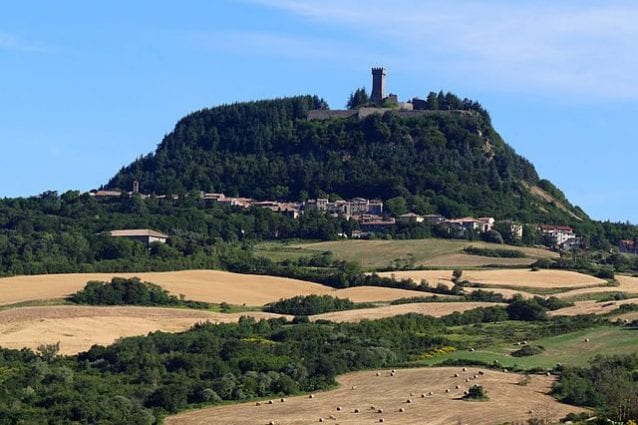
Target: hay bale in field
[(380, 411), (505, 370), (320, 419), (456, 375), (401, 409), (378, 373), (586, 339), (422, 395), (356, 410), (271, 423), (430, 393), (311, 396), (464, 369), (283, 400), (381, 420), (409, 401), (258, 404), (392, 373), (447, 390), (354, 387), (333, 417), (270, 402), (481, 372), (458, 387), (338, 408)]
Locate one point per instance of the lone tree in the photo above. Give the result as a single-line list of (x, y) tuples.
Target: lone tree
[(358, 99), (476, 392)]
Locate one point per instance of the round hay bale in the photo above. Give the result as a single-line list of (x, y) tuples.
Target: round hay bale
[(356, 410), (481, 372), (258, 404), (338, 408), (549, 373), (422, 395), (270, 402), (472, 350), (311, 396), (381, 420), (430, 393), (475, 376), (354, 387), (524, 342), (271, 423), (447, 390), (505, 370), (412, 393), (378, 373), (458, 387), (401, 409), (283, 400), (466, 392), (380, 411), (467, 379), (531, 412), (464, 369), (394, 371), (320, 419), (456, 375), (586, 339), (409, 401), (372, 407)]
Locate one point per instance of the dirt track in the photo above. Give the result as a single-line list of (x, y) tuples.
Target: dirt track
[(508, 401)]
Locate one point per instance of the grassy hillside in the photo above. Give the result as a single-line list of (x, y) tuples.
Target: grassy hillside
[(379, 254)]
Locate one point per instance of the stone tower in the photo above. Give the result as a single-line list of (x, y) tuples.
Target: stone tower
[(378, 85)]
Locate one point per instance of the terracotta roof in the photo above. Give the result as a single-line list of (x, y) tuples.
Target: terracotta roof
[(138, 233)]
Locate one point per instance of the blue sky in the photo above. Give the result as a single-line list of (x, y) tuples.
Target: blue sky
[(86, 87)]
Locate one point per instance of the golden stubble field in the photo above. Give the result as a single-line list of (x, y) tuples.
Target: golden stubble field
[(508, 401), (436, 309), (77, 328), (524, 278), (212, 286)]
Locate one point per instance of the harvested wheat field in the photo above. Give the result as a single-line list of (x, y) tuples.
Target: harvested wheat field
[(627, 284), (508, 401), (436, 309), (202, 285), (362, 294), (506, 277), (78, 328), (591, 307)]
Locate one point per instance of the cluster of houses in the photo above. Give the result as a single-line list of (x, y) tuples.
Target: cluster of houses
[(369, 214)]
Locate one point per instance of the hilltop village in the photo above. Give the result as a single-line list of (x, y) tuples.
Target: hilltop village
[(369, 214)]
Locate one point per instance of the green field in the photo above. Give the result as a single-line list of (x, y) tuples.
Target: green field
[(568, 349), (378, 254)]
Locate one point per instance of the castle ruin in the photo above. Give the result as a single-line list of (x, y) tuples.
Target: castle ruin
[(378, 85)]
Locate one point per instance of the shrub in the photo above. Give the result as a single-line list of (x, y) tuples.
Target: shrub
[(528, 350), (476, 392), (311, 304), (494, 252)]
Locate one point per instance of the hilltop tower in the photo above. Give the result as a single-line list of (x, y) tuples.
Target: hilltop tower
[(378, 85)]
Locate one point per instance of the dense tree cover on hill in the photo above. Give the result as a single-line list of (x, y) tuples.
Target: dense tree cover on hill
[(133, 291), (452, 163), (139, 380), (57, 234)]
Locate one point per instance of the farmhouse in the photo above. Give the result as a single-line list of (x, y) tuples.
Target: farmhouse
[(562, 237), (146, 236)]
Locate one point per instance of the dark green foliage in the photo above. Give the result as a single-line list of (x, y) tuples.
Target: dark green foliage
[(609, 385), (438, 162), (413, 300), (358, 99), (476, 392), (311, 304), (606, 273), (494, 252), (528, 350), (477, 315), (553, 303), (485, 296), (132, 291), (528, 310)]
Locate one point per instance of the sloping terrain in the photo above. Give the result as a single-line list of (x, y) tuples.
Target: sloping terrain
[(508, 401), (77, 328)]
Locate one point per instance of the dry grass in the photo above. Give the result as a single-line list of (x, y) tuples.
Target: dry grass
[(202, 285), (524, 278), (78, 328), (212, 286), (425, 252), (436, 309), (591, 307), (627, 284), (508, 401)]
